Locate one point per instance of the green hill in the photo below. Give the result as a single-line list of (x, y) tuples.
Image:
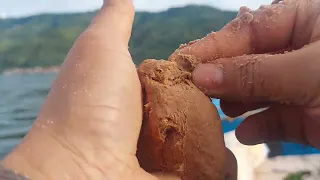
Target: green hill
[(44, 40)]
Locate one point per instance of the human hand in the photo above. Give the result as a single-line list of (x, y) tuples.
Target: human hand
[(280, 70), (91, 120)]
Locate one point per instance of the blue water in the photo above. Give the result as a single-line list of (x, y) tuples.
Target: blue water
[(21, 97), (287, 148)]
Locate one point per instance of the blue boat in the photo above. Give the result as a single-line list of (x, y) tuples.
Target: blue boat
[(277, 149)]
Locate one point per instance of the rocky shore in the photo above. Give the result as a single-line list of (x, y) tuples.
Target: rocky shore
[(31, 70)]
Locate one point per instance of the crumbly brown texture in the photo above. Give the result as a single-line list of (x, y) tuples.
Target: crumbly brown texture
[(181, 131)]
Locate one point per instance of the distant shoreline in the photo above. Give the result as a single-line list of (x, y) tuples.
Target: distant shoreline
[(31, 70)]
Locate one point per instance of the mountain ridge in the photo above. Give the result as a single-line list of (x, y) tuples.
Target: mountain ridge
[(44, 40)]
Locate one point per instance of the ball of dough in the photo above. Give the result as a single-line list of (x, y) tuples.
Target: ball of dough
[(181, 131)]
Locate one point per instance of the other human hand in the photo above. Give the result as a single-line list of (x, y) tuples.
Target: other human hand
[(266, 58)]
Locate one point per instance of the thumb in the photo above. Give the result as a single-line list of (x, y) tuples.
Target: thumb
[(96, 79), (115, 18), (286, 78)]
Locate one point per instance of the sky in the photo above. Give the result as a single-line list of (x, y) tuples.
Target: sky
[(19, 8)]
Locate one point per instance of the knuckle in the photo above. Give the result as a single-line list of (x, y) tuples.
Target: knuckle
[(249, 78), (253, 82)]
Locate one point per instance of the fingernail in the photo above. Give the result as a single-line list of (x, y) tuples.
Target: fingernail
[(208, 76), (249, 136)]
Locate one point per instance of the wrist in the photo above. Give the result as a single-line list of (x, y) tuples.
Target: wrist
[(40, 156), (8, 174), (44, 155), (19, 165)]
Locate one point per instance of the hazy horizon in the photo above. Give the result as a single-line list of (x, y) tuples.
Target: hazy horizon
[(92, 10), (17, 8)]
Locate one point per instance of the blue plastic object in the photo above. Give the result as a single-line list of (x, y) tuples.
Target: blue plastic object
[(287, 148)]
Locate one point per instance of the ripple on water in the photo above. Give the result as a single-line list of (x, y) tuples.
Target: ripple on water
[(21, 98), (13, 131), (7, 145)]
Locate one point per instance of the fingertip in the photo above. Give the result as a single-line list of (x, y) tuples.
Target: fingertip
[(232, 110), (205, 49), (250, 131), (115, 18), (243, 10), (120, 3), (208, 77)]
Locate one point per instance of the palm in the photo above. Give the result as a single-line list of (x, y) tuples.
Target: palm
[(91, 119)]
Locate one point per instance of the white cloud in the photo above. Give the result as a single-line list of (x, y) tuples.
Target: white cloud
[(27, 7)]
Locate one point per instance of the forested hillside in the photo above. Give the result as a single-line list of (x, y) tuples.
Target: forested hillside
[(44, 40)]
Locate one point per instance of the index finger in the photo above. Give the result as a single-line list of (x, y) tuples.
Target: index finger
[(265, 30)]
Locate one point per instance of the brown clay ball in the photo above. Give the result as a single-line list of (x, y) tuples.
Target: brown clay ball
[(181, 132)]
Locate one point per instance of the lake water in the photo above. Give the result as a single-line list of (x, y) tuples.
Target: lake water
[(21, 98)]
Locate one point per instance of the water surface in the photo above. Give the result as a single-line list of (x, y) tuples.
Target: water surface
[(21, 98)]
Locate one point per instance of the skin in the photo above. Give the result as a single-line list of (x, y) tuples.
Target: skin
[(288, 84), (89, 125)]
